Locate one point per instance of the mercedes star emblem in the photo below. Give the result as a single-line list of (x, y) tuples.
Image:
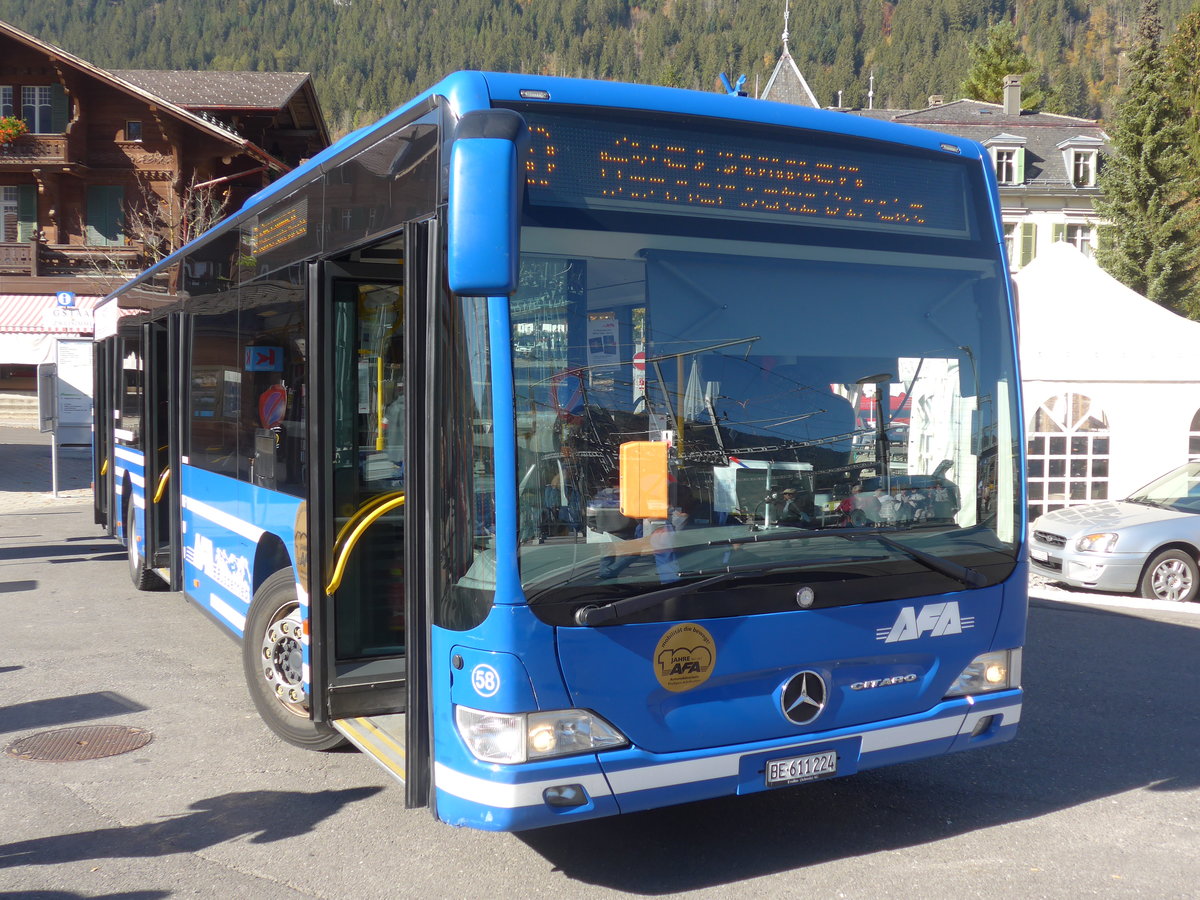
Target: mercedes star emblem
[(803, 697)]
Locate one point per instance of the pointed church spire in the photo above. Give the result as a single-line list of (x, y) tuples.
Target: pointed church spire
[(786, 84)]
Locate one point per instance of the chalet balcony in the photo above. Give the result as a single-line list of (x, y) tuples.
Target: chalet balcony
[(35, 259), (34, 149)]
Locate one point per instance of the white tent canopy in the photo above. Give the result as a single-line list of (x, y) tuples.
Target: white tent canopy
[(1078, 323)]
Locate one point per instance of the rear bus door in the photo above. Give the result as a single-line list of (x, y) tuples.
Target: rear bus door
[(161, 445)]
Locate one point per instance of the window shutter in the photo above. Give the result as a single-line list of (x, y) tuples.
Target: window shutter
[(1019, 166), (1059, 233), (104, 215), (59, 109), (1028, 242), (26, 212)]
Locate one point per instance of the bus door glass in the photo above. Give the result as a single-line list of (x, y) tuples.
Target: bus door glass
[(160, 444), (102, 439), (368, 468)]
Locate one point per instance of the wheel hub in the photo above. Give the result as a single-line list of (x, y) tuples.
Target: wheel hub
[(283, 659), (1172, 581)]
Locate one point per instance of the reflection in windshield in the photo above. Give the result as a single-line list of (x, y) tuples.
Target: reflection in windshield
[(791, 394), (1178, 489)]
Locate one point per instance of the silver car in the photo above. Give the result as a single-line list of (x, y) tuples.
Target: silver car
[(1147, 543)]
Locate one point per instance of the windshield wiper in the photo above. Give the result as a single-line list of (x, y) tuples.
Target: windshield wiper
[(969, 577), (598, 615)]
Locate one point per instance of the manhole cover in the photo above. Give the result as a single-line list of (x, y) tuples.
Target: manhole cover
[(80, 743)]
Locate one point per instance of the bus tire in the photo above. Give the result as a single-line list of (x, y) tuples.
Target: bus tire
[(271, 660), (143, 579)]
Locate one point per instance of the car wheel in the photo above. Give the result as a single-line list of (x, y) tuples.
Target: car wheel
[(1172, 575)]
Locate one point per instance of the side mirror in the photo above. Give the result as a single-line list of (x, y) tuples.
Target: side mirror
[(484, 213)]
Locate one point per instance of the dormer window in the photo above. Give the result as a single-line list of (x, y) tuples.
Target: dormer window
[(1006, 166), (1081, 157), (1083, 168), (1008, 153)]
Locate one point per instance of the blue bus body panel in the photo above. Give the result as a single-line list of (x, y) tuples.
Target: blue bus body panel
[(224, 521), (625, 673), (715, 739), (129, 468)]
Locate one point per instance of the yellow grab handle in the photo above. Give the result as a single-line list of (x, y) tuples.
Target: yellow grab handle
[(104, 466), (361, 512), (350, 540), (162, 484)]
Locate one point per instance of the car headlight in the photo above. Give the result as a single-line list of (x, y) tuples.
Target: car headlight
[(520, 737), (998, 670), (1097, 543)]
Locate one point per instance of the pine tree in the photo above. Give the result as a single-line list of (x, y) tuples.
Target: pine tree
[(997, 55), (1147, 186)]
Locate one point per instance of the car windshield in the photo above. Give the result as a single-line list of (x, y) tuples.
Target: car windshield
[(1179, 489), (678, 398)]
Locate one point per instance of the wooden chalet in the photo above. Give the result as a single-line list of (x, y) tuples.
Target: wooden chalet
[(102, 143)]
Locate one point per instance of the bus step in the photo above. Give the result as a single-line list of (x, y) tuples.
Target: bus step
[(380, 737)]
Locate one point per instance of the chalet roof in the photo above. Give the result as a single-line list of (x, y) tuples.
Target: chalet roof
[(1043, 135), (218, 90), (200, 123)]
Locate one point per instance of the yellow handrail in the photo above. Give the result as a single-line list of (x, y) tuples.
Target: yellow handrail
[(351, 539), (104, 466), (359, 513), (162, 484)]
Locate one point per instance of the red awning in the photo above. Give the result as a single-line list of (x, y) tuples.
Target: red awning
[(46, 313)]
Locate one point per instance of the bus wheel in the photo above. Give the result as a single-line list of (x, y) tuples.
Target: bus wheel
[(143, 579), (272, 658)]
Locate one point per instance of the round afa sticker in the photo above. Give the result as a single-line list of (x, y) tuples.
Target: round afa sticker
[(685, 657)]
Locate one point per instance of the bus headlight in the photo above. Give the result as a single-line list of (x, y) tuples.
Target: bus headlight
[(995, 671), (521, 737)]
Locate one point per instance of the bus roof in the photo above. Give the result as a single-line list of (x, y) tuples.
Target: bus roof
[(467, 91)]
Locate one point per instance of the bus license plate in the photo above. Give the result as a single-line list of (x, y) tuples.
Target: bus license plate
[(801, 768)]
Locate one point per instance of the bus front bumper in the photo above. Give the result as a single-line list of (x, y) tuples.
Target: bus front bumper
[(514, 798)]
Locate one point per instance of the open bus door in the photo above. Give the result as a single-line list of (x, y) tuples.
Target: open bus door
[(102, 434), (163, 373), (367, 552)]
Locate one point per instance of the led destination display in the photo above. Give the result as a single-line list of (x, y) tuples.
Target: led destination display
[(601, 163)]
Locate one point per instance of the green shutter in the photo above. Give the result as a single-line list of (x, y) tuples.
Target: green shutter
[(59, 109), (105, 204), (1028, 243), (1059, 233), (26, 212), (1019, 166)]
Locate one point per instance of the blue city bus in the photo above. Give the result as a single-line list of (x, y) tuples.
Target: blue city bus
[(577, 448)]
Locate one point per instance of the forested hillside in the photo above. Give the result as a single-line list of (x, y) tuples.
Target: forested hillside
[(367, 56)]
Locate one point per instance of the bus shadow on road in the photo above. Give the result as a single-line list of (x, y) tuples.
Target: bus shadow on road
[(259, 816), (63, 710), (1110, 707)]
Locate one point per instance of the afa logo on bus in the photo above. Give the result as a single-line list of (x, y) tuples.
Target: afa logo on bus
[(685, 657)]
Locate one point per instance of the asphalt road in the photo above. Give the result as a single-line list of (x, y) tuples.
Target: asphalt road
[(1096, 797)]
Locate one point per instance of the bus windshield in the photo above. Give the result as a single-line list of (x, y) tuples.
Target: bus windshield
[(800, 392)]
